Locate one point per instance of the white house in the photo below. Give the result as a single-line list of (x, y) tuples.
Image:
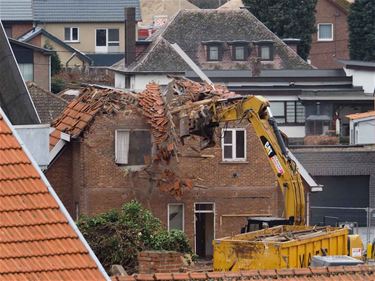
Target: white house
[(362, 128), (363, 73)]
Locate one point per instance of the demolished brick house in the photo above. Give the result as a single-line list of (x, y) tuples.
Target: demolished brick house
[(113, 147)]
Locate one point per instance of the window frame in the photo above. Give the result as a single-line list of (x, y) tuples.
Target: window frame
[(116, 152), (318, 33), (71, 40), (209, 58), (183, 215), (285, 116), (271, 50), (245, 52), (234, 145), (22, 67), (106, 48)]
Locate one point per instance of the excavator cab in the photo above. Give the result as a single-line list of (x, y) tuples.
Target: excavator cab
[(258, 223)]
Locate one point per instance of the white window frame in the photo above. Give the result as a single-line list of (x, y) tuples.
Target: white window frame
[(325, 39), (234, 154), (105, 49), (116, 159), (71, 34), (183, 215)]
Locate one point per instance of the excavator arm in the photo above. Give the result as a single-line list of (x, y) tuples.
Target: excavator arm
[(256, 110)]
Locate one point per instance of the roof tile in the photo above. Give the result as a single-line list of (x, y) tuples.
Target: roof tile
[(36, 240)]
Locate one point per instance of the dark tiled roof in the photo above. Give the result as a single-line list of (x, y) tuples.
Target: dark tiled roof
[(39, 241), (339, 273), (83, 10), (48, 105), (343, 4), (20, 10), (105, 59), (191, 27)]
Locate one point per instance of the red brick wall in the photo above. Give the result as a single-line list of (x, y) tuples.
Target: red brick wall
[(325, 54), (235, 189), (42, 70), (159, 262), (19, 29)]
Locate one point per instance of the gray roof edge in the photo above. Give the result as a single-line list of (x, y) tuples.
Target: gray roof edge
[(357, 63)]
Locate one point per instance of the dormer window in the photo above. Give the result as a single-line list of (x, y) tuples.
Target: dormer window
[(214, 50), (265, 50), (240, 50)]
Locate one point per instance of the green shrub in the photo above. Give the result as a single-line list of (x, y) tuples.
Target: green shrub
[(57, 85), (117, 236)]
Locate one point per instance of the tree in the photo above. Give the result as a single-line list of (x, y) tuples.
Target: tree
[(117, 236), (55, 60), (287, 19), (361, 23)]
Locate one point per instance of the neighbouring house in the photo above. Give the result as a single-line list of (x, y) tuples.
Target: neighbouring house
[(48, 105), (348, 176), (221, 39), (362, 128), (40, 240), (107, 145), (34, 63), (331, 40), (16, 16), (69, 56), (95, 28), (304, 102), (156, 13), (363, 73), (15, 100)]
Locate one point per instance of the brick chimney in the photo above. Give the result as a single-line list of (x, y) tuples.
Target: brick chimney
[(292, 43), (130, 29)]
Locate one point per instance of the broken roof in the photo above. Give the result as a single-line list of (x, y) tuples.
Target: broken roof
[(189, 28), (15, 99), (48, 105), (334, 273), (39, 240)]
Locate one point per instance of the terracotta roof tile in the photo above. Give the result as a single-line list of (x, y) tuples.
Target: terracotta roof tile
[(37, 241), (361, 115)]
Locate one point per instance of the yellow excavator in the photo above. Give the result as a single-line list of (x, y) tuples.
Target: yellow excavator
[(203, 117)]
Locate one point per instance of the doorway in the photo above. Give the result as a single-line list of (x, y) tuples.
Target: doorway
[(204, 229)]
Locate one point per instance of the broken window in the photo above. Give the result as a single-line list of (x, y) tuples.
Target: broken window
[(132, 147), (234, 144), (71, 34), (176, 216)]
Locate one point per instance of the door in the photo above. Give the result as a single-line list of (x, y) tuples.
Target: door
[(204, 229), (101, 41)]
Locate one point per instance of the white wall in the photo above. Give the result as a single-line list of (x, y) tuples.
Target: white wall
[(363, 130), (36, 139), (119, 80), (293, 131), (362, 78), (140, 81)]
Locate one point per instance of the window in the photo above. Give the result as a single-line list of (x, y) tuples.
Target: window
[(27, 71), (325, 32), (107, 40), (213, 53), (288, 112), (239, 53), (71, 34), (132, 147), (266, 52), (175, 216), (234, 144)]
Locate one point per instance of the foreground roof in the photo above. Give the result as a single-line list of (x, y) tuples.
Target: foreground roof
[(189, 28), (337, 273), (83, 10), (48, 105), (39, 240)]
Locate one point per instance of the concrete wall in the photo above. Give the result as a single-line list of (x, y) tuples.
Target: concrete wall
[(363, 78), (324, 54), (98, 184), (87, 33)]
